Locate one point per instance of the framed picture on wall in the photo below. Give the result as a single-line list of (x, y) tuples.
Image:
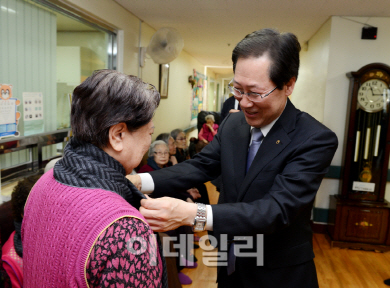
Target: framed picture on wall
[(164, 80)]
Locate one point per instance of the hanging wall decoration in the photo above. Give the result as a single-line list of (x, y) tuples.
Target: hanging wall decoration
[(198, 93), (9, 115)]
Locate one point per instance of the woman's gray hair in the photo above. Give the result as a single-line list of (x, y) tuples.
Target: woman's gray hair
[(107, 98), (210, 117), (153, 146), (175, 132), (164, 137)]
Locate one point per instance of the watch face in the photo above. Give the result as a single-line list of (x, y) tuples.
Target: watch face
[(372, 95)]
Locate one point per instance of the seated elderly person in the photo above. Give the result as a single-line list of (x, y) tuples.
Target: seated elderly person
[(167, 138), (181, 145), (82, 216), (158, 157), (209, 129)]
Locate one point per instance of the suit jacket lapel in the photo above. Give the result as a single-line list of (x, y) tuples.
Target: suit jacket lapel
[(240, 139), (276, 140)]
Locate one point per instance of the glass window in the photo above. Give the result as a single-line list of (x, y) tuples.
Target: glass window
[(46, 52), (81, 49)]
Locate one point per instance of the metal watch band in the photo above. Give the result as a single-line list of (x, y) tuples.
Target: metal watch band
[(200, 218), (201, 210)]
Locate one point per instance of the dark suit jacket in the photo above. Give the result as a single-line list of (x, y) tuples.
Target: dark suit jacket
[(227, 106), (274, 198)]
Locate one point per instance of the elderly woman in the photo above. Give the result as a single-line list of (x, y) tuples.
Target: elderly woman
[(181, 145), (81, 225), (209, 129), (167, 138), (158, 157)]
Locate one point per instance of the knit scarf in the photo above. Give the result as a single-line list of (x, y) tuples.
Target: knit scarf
[(87, 166)]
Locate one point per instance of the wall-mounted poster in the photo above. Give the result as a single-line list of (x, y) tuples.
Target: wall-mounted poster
[(198, 93), (33, 113), (8, 112)]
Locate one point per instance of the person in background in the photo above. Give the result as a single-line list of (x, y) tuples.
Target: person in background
[(158, 157), (81, 215), (209, 129), (12, 251), (181, 145), (182, 154), (231, 105), (167, 138)]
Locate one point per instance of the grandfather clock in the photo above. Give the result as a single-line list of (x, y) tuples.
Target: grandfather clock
[(359, 215)]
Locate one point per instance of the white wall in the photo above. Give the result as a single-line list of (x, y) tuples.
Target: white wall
[(309, 91), (174, 112)]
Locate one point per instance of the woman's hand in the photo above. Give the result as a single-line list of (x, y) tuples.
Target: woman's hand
[(210, 127), (173, 160), (136, 180), (164, 214), (194, 193), (205, 141)]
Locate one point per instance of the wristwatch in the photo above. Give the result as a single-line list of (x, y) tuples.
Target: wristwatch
[(200, 218)]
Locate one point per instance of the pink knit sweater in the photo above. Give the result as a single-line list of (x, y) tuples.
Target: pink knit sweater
[(60, 227)]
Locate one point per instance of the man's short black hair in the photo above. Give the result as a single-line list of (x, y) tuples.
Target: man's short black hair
[(282, 49)]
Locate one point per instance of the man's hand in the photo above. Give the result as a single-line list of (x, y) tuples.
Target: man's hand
[(136, 180), (164, 214), (194, 193)]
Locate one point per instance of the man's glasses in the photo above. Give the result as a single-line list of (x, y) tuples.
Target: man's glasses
[(252, 96), (181, 139), (161, 153)]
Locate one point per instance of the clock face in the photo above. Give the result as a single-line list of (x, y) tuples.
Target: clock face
[(372, 95)]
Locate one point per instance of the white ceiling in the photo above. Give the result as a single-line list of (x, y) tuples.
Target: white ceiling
[(211, 28)]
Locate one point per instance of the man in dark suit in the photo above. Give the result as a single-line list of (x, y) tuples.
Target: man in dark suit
[(269, 191), (229, 106)]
